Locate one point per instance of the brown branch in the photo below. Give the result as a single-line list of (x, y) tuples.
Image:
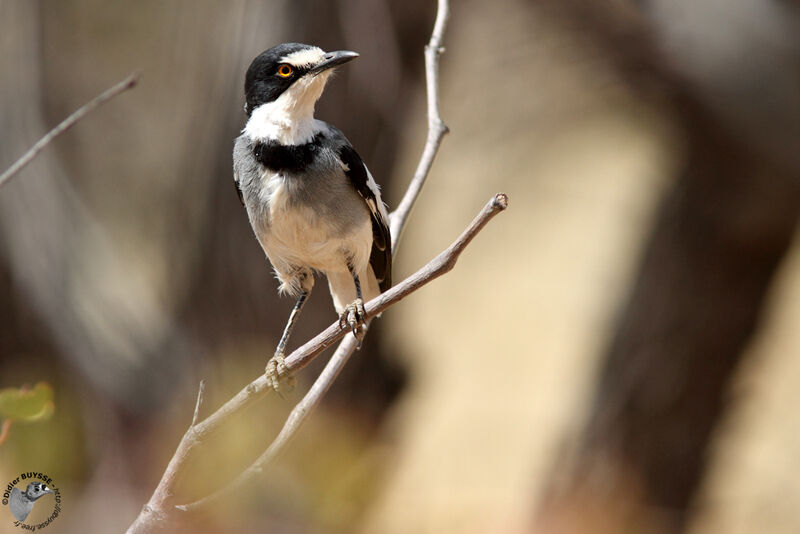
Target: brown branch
[(299, 413), (438, 266), (159, 505), (68, 123)]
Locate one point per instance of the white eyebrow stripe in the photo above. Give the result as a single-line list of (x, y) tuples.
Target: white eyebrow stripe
[(303, 57)]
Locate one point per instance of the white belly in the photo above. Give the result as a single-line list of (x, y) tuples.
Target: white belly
[(298, 236)]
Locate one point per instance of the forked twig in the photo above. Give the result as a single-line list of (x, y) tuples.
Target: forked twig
[(436, 127), (438, 266), (158, 508)]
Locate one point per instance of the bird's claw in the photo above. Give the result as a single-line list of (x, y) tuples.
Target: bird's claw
[(353, 318), (277, 370)]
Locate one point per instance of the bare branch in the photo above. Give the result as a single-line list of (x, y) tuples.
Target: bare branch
[(441, 264), (436, 127), (438, 266), (68, 123), (200, 392), (296, 418), (157, 508)]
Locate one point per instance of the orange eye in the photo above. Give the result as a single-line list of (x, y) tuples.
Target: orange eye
[(284, 71)]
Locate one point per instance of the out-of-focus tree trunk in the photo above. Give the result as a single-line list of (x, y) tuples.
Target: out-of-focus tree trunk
[(720, 235), (499, 351), (719, 238)]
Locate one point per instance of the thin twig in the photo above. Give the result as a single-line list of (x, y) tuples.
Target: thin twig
[(438, 266), (68, 123), (436, 127), (200, 391)]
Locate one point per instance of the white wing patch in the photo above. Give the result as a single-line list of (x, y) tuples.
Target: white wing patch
[(376, 190)]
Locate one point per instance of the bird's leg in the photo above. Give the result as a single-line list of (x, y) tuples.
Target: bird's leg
[(276, 367), (353, 314)]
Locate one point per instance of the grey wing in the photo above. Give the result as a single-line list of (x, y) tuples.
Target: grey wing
[(380, 258), (238, 186), (242, 153)]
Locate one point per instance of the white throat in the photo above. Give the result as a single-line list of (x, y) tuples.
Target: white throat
[(289, 119)]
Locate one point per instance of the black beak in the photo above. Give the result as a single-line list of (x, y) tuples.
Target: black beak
[(333, 59)]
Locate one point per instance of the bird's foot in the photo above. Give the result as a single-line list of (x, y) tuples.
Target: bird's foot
[(353, 318), (276, 371)]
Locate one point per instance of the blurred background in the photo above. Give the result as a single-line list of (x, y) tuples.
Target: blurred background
[(616, 353)]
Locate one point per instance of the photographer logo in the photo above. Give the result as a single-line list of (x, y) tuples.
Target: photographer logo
[(31, 490)]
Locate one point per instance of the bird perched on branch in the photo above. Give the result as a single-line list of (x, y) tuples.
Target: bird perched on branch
[(312, 203)]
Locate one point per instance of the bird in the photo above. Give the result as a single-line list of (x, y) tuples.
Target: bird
[(21, 502), (312, 203)]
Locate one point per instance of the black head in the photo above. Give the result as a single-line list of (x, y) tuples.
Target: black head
[(275, 70)]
